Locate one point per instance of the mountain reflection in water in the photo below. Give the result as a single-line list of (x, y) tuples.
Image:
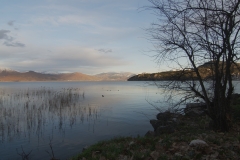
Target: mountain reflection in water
[(71, 115)]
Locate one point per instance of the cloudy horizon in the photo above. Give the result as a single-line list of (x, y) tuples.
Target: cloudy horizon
[(76, 36)]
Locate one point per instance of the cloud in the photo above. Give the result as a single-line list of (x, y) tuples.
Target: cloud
[(105, 50), (4, 35), (87, 57), (9, 41), (65, 58), (69, 19), (13, 44), (11, 23)]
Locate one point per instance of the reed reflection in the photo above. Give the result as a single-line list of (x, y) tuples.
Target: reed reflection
[(34, 111)]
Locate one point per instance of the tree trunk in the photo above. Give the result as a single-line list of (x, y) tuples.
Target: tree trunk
[(221, 115)]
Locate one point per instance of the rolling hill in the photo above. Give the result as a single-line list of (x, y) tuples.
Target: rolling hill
[(206, 71), (7, 75)]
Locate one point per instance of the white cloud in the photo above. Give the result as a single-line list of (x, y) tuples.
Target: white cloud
[(68, 58), (105, 30), (87, 57)]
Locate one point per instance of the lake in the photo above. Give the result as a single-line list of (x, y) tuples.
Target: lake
[(67, 116), (70, 115)]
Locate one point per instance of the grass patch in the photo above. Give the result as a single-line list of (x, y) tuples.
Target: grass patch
[(173, 146), (120, 147)]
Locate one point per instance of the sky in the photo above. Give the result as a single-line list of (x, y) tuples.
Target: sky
[(88, 36)]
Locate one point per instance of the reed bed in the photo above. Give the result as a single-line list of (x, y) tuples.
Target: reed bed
[(31, 111)]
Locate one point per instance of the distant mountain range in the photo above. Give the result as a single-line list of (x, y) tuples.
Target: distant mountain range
[(7, 75)]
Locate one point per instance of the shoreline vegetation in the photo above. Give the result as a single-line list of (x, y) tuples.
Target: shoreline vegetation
[(206, 71), (192, 138)]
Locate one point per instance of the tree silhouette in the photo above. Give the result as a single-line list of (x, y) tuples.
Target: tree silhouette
[(193, 32)]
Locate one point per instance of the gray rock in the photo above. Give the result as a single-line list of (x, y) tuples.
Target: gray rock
[(164, 130), (197, 143), (164, 116), (178, 154), (166, 123), (157, 123), (131, 143), (150, 134), (195, 109)]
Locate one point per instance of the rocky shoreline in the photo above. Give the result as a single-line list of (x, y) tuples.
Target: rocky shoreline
[(174, 136), (168, 122)]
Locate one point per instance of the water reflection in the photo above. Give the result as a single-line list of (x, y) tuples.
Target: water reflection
[(32, 111), (70, 115)]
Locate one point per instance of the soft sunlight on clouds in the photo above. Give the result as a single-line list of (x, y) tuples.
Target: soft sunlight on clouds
[(89, 36), (88, 57), (66, 58)]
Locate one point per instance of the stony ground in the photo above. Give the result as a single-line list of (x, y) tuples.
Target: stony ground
[(176, 145)]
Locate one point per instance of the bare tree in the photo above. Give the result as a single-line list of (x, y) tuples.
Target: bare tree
[(194, 32)]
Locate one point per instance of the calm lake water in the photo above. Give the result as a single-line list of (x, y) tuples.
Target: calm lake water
[(72, 115)]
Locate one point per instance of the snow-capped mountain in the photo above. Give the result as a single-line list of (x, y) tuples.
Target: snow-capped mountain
[(6, 70)]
